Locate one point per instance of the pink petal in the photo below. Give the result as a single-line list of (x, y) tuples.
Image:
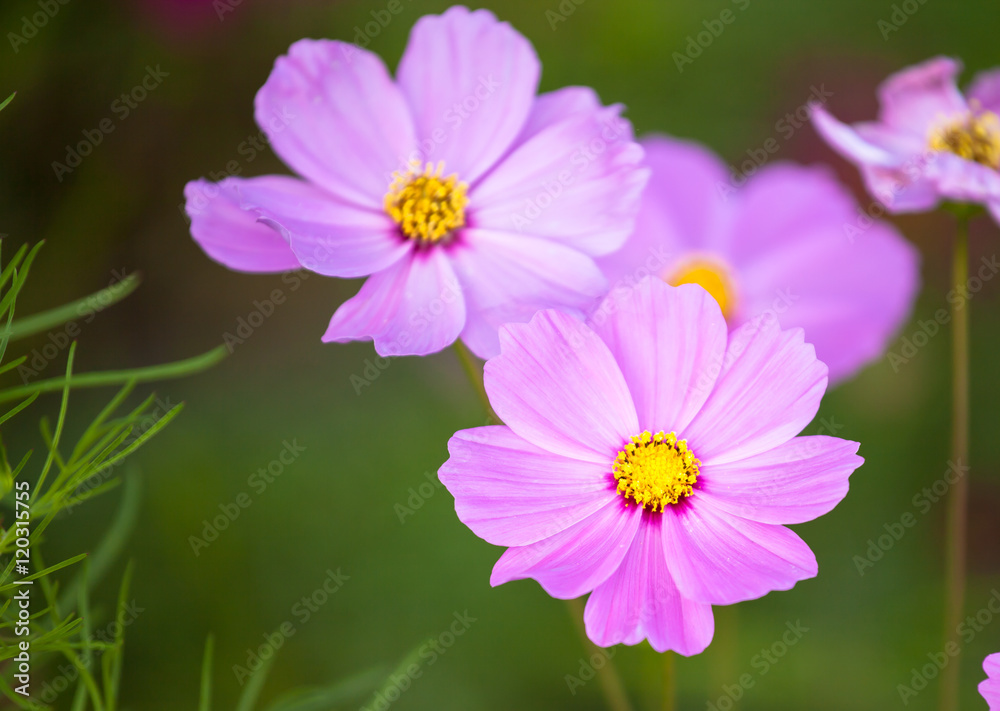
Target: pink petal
[(769, 389), (914, 99), (845, 140), (990, 688), (577, 179), (470, 81), (964, 180), (850, 293), (684, 208), (718, 558), (793, 483), (511, 493), (333, 114), (906, 189), (640, 601), (984, 91), (230, 235), (669, 343), (414, 307), (557, 385), (576, 560), (508, 278), (328, 235)]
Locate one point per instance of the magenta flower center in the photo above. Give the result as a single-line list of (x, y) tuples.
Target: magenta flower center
[(655, 471), (427, 207), (975, 137)]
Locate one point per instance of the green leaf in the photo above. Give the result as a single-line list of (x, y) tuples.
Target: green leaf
[(7, 101), (323, 699), (248, 699), (114, 540), (205, 698), (177, 369), (47, 320), (47, 571)]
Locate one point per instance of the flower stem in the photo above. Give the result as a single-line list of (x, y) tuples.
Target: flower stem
[(611, 682), (475, 375), (956, 532), (607, 674), (669, 682)]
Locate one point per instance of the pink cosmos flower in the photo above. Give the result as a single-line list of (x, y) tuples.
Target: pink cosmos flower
[(990, 688), (650, 457), (788, 242), (930, 142), (467, 199)]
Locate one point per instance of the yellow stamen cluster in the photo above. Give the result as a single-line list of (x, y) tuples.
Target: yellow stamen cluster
[(656, 470), (427, 207), (975, 137), (710, 275)]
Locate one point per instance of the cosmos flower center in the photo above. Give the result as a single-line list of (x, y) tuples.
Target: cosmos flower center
[(655, 471), (427, 207), (975, 137), (711, 275)]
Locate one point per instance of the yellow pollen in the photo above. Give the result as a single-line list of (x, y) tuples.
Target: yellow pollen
[(656, 470), (710, 275), (427, 207), (975, 137)]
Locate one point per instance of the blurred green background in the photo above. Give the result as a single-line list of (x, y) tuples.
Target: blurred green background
[(335, 506)]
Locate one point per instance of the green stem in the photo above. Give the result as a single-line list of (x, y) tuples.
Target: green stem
[(669, 682), (724, 654), (956, 533), (611, 682), (475, 374)]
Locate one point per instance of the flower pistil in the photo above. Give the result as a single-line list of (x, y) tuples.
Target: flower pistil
[(975, 137), (427, 207), (655, 471)]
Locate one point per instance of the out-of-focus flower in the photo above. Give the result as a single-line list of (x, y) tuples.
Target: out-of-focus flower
[(930, 142), (990, 688), (790, 242), (650, 457), (469, 200)]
